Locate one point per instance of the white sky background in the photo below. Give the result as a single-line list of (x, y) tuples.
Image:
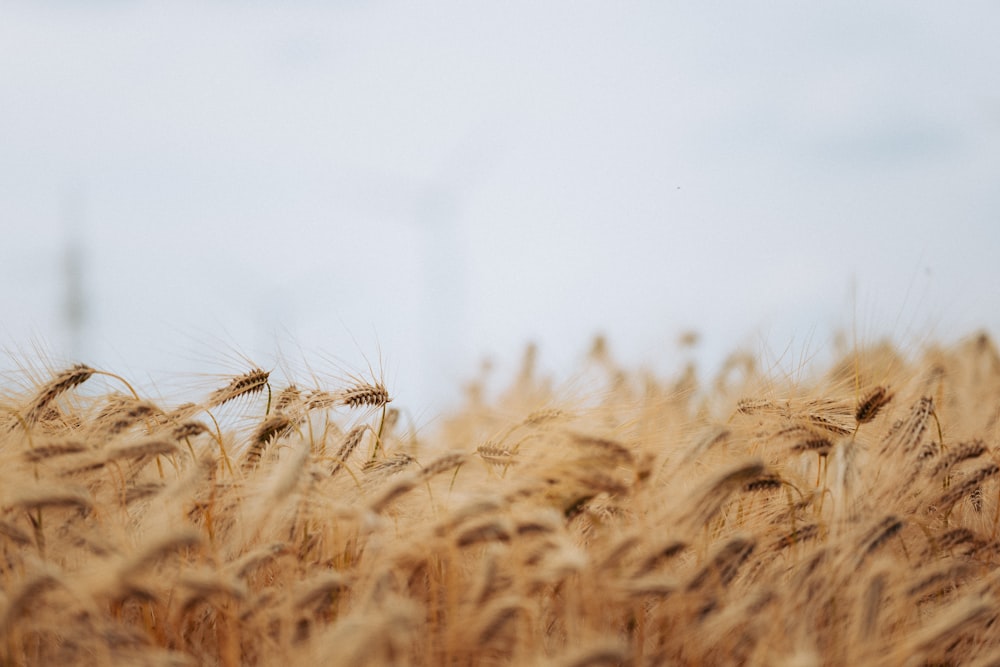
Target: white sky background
[(446, 181)]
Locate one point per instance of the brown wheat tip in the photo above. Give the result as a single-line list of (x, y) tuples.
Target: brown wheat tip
[(660, 555), (655, 585), (392, 492), (868, 408), (827, 423), (906, 434), (152, 447), (766, 482), (247, 384), (188, 430), (539, 417), (725, 565), (749, 406), (320, 400), (442, 464), (496, 616), (59, 384), (802, 534), (820, 445), (144, 490), (879, 535), (957, 537), (496, 454), (492, 530), (122, 412), (614, 451), (347, 446), (968, 485), (940, 579), (271, 429), (364, 394), (390, 465), (705, 502), (957, 454), (287, 398), (47, 451), (38, 498), (949, 628)]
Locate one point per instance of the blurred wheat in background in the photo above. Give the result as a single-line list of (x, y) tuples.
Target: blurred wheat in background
[(846, 517)]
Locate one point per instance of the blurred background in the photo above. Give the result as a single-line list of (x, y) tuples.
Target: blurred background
[(422, 186)]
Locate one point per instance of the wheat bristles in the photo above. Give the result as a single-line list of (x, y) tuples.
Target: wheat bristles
[(364, 394), (251, 382), (55, 387), (873, 402)]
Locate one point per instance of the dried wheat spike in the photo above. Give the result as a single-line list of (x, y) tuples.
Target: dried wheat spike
[(390, 493), (141, 491), (968, 485), (907, 433), (389, 466), (803, 534), (956, 537), (496, 616), (496, 454), (704, 502), (151, 447), (820, 445), (287, 398), (766, 482), (364, 394), (158, 549), (976, 498), (725, 564), (271, 429), (879, 535), (541, 416), (188, 430), (50, 450), (868, 408), (122, 412), (249, 383), (749, 406), (943, 577), (612, 450), (40, 497), (659, 555), (350, 442), (320, 400), (826, 423), (957, 454), (442, 464), (492, 530), (50, 391)]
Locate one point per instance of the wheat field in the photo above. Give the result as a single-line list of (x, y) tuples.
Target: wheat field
[(843, 516)]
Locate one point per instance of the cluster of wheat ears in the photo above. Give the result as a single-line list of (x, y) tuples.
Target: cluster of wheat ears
[(849, 518)]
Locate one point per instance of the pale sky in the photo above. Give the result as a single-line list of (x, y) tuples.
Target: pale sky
[(434, 183)]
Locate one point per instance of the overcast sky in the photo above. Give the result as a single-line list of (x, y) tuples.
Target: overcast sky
[(433, 183)]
